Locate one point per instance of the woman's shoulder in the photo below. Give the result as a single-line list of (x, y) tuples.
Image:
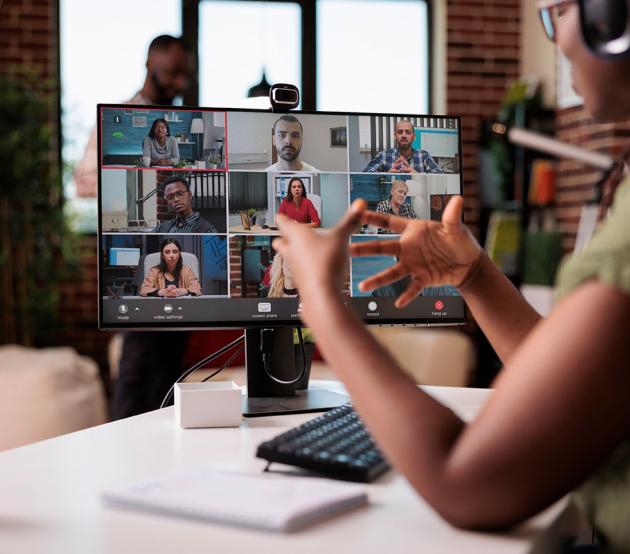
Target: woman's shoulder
[(607, 256)]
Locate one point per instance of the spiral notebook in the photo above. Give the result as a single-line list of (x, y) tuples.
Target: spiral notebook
[(261, 501)]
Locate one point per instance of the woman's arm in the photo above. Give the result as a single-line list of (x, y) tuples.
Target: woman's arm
[(150, 284), (283, 207), (504, 316), (558, 410), (190, 281), (315, 221)]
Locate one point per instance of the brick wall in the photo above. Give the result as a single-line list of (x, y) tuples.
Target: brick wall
[(28, 35), (574, 181), (28, 38), (483, 39)]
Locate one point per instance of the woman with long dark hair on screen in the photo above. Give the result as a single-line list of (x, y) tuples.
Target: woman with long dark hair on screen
[(159, 147), (557, 421), (170, 278), (297, 206)]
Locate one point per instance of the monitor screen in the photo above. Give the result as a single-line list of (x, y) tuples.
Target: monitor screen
[(124, 256), (188, 200)]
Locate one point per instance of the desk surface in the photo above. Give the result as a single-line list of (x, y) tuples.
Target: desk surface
[(50, 495), (255, 230)]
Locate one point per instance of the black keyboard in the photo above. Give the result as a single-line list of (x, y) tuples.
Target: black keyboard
[(335, 444)]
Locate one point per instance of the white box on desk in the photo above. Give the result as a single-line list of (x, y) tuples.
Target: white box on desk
[(208, 404)]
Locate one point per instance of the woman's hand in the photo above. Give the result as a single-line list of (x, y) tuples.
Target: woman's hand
[(318, 260), (431, 252), (168, 292)]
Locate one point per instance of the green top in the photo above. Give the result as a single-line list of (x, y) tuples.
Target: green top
[(605, 497)]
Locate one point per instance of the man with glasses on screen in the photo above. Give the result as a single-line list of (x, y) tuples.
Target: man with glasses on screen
[(287, 138), (169, 69), (179, 198), (403, 158)]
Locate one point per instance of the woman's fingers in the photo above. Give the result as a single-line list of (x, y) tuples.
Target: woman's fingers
[(375, 248), (279, 244), (412, 291), (386, 221), (385, 277), (452, 216), (352, 218)]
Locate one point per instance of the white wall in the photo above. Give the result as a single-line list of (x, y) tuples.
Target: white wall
[(249, 138), (316, 149), (334, 193), (114, 190), (538, 53)]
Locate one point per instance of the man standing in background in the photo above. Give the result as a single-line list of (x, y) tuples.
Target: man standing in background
[(150, 361)]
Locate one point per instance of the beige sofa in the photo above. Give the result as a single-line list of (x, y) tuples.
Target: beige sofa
[(45, 393)]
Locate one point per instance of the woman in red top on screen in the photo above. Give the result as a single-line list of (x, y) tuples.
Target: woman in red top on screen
[(297, 207)]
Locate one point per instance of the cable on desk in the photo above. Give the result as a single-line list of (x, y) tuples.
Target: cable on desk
[(200, 364), (266, 348)]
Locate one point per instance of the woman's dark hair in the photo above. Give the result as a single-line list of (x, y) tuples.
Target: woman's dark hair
[(289, 196), (162, 265), (155, 122)]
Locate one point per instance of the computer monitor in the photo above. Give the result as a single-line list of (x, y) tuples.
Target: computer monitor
[(119, 256), (209, 183)]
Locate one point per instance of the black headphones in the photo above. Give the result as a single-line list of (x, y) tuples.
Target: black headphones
[(605, 26)]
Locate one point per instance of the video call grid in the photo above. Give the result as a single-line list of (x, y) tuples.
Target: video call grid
[(229, 171)]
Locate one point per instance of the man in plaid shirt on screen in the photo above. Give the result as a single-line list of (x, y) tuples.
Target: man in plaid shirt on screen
[(403, 159)]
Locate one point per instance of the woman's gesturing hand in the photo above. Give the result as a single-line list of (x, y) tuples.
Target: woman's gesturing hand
[(318, 260), (431, 252)]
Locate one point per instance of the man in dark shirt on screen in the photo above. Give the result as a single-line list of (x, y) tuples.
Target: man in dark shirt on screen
[(403, 158), (179, 198)]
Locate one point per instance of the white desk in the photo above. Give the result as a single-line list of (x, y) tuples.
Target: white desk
[(49, 496)]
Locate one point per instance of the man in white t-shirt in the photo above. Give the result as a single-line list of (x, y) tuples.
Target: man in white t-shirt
[(287, 138)]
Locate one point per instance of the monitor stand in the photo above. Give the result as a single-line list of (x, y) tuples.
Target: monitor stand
[(265, 396)]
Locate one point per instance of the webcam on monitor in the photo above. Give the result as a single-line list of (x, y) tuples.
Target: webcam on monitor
[(284, 97)]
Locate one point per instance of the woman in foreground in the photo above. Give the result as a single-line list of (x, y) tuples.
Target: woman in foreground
[(558, 420)]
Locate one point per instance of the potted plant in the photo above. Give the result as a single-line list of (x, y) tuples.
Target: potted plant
[(36, 244), (213, 161)]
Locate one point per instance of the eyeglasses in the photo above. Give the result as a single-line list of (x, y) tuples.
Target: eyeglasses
[(604, 24), (176, 195), (551, 11)]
